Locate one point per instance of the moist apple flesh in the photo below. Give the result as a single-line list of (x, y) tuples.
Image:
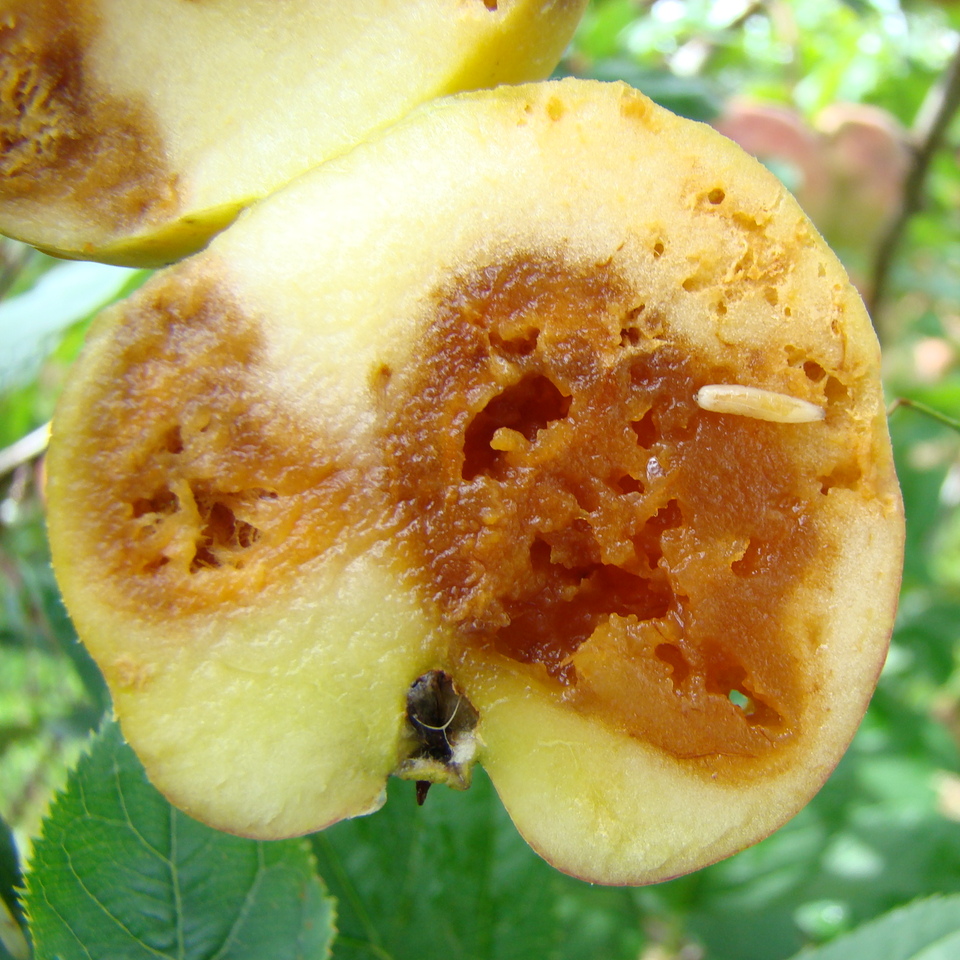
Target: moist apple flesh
[(554, 491)]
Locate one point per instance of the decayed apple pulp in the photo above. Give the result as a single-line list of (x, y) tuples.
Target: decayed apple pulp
[(466, 404), (132, 130)]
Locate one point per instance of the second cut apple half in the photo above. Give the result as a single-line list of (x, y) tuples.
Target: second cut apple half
[(131, 131), (543, 431)]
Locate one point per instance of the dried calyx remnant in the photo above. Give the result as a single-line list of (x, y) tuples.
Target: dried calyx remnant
[(440, 741), (542, 469)]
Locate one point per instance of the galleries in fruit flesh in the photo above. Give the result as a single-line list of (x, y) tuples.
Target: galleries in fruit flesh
[(625, 544), (550, 482)]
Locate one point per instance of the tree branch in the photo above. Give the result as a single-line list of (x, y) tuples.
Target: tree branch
[(930, 127), (24, 450)]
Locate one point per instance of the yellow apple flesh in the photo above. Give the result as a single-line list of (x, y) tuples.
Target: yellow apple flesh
[(546, 395), (133, 130)]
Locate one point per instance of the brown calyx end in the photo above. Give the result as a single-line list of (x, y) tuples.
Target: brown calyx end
[(64, 140), (439, 742), (213, 490), (570, 509)]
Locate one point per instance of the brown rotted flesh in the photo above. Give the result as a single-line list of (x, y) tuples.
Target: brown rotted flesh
[(555, 494)]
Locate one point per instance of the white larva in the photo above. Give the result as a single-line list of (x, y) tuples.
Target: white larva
[(757, 403)]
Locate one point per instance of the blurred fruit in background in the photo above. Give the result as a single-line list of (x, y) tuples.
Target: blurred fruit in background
[(847, 168)]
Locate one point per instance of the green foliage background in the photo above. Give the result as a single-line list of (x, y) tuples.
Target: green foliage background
[(453, 879)]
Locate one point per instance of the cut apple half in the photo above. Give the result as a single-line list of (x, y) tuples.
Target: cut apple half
[(133, 130), (543, 431)]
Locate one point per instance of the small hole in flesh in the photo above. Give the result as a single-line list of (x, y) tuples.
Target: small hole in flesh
[(795, 356), (628, 484), (716, 195), (380, 378), (751, 561), (674, 658), (221, 524), (658, 249), (757, 712), (246, 534), (526, 407), (814, 372), (520, 346), (647, 542), (845, 476), (155, 564), (163, 502), (174, 441), (203, 559), (834, 390), (222, 536), (727, 678), (646, 430)]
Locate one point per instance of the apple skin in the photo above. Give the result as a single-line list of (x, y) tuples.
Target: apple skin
[(134, 130), (398, 409)]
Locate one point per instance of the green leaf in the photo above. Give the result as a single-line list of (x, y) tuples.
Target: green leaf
[(599, 32), (118, 873), (10, 878), (453, 880), (924, 930), (31, 322), (13, 944)]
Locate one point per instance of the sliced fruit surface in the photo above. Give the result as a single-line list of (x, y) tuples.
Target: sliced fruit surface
[(543, 429), (132, 130)]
